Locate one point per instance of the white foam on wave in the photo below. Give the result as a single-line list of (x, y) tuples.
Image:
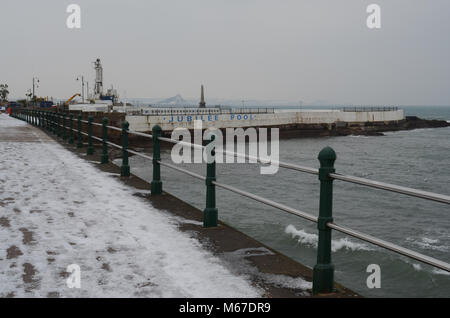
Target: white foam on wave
[(428, 243), (358, 136), (336, 245), (435, 271), (440, 272)]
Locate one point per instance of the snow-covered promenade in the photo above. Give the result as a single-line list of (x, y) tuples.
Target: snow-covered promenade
[(57, 209)]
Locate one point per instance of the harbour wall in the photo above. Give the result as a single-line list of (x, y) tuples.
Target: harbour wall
[(279, 119)]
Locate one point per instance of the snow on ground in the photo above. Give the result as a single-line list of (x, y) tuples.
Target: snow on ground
[(57, 209)]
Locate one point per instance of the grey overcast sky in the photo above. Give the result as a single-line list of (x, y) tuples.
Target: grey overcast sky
[(280, 50)]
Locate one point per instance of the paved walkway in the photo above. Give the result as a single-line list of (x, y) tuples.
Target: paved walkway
[(57, 209)]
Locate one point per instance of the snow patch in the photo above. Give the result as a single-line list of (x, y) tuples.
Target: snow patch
[(124, 246)]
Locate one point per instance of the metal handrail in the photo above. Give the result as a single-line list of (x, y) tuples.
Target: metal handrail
[(268, 202), (192, 174), (119, 129), (393, 188)]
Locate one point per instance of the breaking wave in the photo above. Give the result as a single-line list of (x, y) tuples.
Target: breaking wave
[(427, 243), (336, 245), (435, 271)]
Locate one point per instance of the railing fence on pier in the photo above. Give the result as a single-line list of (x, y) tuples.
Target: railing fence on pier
[(323, 272)]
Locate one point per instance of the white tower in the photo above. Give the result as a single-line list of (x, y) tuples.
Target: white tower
[(98, 89)]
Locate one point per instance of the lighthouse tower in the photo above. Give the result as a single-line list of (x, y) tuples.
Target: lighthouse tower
[(202, 99), (98, 89)]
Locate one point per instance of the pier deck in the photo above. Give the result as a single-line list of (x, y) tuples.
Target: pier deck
[(60, 207)]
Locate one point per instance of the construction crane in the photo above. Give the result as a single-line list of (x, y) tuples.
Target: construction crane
[(70, 99)]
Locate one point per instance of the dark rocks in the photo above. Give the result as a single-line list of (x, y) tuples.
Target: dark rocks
[(358, 129)]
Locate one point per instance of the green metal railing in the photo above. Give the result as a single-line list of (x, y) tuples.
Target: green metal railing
[(323, 272)]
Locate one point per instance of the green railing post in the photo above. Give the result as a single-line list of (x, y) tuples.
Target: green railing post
[(58, 124), (80, 137), (156, 185), (210, 213), (90, 148), (71, 129), (53, 122), (105, 157), (323, 275), (125, 168), (45, 120), (64, 136)]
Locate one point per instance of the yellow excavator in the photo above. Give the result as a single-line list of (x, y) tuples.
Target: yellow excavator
[(70, 99)]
